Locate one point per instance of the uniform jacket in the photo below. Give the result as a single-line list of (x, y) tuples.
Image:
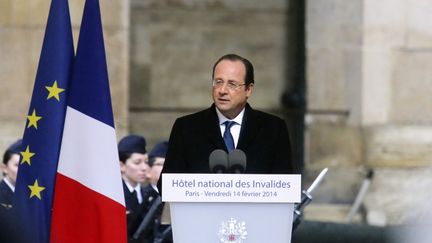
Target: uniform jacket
[(6, 195)]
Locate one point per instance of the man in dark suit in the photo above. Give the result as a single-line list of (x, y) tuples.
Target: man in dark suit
[(230, 123)]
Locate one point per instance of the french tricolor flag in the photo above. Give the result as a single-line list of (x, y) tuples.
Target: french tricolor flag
[(88, 199)]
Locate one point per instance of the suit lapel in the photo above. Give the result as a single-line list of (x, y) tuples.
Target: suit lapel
[(211, 127), (249, 128)]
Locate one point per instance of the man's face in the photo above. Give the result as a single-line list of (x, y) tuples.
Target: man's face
[(155, 171), (11, 168), (135, 168), (230, 102)]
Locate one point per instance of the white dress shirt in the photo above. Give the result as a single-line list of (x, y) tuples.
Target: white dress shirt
[(235, 129)]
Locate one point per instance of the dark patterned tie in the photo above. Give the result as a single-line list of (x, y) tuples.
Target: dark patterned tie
[(227, 136), (134, 201)]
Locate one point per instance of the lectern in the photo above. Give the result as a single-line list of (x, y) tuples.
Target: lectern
[(231, 208)]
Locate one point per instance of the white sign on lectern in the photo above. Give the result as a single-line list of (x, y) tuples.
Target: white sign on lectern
[(231, 208)]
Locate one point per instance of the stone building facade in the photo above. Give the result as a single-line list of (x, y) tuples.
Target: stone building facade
[(365, 66), (373, 60)]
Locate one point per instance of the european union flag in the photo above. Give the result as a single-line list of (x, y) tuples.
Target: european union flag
[(43, 132)]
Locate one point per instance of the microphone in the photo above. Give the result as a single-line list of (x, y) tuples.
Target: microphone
[(237, 161), (218, 161)]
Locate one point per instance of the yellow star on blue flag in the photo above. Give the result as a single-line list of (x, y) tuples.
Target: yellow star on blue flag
[(26, 155), (54, 91), (33, 119), (35, 190)]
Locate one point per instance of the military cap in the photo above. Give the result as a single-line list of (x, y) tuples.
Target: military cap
[(132, 144), (159, 150), (15, 148)]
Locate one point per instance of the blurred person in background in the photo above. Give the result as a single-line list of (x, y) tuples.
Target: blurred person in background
[(156, 163), (9, 227), (9, 167), (151, 192), (134, 168)]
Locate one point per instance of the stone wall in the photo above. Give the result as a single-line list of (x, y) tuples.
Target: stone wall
[(22, 27), (371, 59), (174, 45)]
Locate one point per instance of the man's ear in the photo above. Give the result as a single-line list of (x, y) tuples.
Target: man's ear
[(249, 89)]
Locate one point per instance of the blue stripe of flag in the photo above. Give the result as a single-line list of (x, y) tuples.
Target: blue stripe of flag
[(89, 92)]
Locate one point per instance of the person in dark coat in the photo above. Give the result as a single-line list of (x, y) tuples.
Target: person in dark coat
[(10, 228), (161, 230), (133, 165), (230, 123), (11, 159)]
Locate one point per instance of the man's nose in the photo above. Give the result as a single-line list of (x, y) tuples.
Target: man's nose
[(223, 89)]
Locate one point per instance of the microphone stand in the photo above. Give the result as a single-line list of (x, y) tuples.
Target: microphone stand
[(147, 218), (160, 238), (360, 196), (306, 199)]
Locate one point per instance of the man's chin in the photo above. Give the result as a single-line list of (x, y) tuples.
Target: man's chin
[(223, 107)]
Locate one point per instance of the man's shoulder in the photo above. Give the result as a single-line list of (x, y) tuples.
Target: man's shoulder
[(197, 116), (263, 116)]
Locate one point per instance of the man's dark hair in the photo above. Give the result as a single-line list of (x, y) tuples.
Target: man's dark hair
[(249, 77)]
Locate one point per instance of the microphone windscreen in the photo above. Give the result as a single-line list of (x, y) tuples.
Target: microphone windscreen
[(237, 161), (218, 161)]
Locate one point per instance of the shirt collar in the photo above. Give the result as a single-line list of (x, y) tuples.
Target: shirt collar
[(155, 188), (238, 119), (12, 187), (131, 189)]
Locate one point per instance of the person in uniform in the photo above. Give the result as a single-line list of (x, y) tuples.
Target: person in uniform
[(133, 166), (9, 167)]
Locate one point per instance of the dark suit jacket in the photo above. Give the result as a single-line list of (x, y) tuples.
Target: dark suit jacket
[(134, 214), (6, 195), (263, 137)]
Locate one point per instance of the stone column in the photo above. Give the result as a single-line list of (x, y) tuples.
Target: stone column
[(371, 59)]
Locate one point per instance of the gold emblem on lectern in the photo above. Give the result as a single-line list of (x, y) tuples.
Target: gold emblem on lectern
[(231, 231)]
